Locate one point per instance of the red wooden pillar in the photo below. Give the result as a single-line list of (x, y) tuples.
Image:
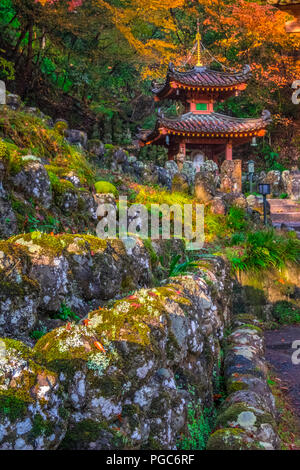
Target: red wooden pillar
[(229, 151)]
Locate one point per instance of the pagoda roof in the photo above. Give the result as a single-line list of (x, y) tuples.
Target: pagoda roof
[(202, 77), (292, 7), (284, 3), (207, 125)]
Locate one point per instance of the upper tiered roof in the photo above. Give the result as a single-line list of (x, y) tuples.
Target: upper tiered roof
[(201, 80)]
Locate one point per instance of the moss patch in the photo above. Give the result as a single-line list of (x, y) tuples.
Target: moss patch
[(104, 187)]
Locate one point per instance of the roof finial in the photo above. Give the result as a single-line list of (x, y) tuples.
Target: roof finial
[(198, 38)]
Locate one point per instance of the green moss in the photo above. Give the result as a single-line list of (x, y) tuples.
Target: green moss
[(41, 427), (235, 385), (19, 206), (63, 412), (4, 151), (109, 147), (15, 400), (18, 346), (21, 288), (12, 407), (128, 284), (84, 432), (257, 329), (51, 347), (231, 414), (61, 186), (56, 244), (131, 319), (55, 170), (149, 248), (131, 413), (60, 127), (230, 439), (104, 187)]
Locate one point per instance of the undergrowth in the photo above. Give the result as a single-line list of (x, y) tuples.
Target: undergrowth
[(200, 424)]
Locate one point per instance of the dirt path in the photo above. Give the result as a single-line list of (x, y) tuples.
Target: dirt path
[(279, 354)]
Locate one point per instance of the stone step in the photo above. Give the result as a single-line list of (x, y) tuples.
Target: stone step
[(286, 217), (283, 203), (284, 210)]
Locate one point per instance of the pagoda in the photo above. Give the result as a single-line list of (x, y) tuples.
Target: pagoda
[(292, 7), (201, 132)]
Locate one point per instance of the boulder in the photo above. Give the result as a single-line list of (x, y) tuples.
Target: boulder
[(73, 178), (19, 295), (291, 184), (211, 166), (119, 156), (248, 417), (13, 101), (31, 401), (256, 203), (218, 206), (189, 171), (33, 181), (231, 176), (205, 186), (76, 137), (164, 177), (55, 269), (96, 147), (8, 220), (67, 201), (87, 203), (273, 178), (180, 183), (127, 375), (172, 167), (235, 199)]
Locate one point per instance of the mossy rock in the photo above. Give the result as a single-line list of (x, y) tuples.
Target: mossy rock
[(180, 184), (231, 439), (235, 385), (61, 127), (30, 398), (56, 244), (104, 187), (244, 416), (4, 151)]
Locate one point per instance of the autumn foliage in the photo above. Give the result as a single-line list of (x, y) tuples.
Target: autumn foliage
[(105, 52)]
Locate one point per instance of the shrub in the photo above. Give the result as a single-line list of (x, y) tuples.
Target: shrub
[(200, 426), (265, 249), (66, 314), (286, 312), (104, 187), (177, 269), (237, 218)]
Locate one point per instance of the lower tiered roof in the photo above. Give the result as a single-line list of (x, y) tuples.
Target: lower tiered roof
[(212, 125)]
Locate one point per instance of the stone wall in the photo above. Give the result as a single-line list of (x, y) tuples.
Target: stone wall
[(41, 271), (125, 376), (248, 417)]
